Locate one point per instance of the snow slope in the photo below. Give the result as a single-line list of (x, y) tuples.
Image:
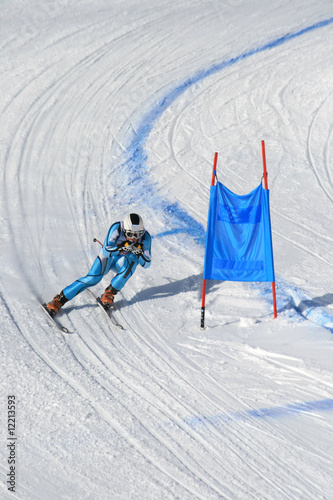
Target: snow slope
[(111, 106)]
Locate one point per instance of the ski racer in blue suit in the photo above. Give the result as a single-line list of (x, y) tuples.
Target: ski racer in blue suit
[(126, 245)]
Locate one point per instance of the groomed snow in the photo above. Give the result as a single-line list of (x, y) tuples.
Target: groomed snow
[(112, 106)]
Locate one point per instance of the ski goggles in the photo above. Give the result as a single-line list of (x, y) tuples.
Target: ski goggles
[(134, 234)]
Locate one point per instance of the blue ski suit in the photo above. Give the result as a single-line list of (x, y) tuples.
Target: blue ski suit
[(121, 261)]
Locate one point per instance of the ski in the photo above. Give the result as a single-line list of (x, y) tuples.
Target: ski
[(53, 321), (107, 312)]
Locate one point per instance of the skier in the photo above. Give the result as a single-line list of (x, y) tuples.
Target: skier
[(126, 245)]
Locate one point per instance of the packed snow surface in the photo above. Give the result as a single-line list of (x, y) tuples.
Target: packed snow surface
[(116, 106)]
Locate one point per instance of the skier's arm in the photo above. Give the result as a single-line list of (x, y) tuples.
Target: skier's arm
[(145, 256), (111, 239)]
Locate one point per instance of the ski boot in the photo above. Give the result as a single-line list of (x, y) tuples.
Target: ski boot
[(107, 298), (55, 304)]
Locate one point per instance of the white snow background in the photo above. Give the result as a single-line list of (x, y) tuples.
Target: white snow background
[(116, 106)]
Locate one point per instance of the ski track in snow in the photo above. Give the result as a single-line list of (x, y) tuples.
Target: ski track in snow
[(181, 219), (160, 410)]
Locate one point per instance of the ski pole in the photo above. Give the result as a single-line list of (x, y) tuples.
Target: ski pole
[(95, 239)]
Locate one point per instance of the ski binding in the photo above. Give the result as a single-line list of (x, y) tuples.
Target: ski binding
[(106, 311), (53, 321)]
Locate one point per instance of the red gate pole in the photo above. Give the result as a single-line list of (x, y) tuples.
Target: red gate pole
[(203, 302), (266, 187)]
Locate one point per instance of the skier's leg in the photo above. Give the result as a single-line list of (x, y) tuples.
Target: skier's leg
[(125, 265), (100, 267)]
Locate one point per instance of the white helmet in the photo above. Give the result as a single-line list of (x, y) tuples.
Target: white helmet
[(133, 226)]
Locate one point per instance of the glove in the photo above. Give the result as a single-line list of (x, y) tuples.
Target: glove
[(125, 247), (134, 248), (137, 250), (119, 248)]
